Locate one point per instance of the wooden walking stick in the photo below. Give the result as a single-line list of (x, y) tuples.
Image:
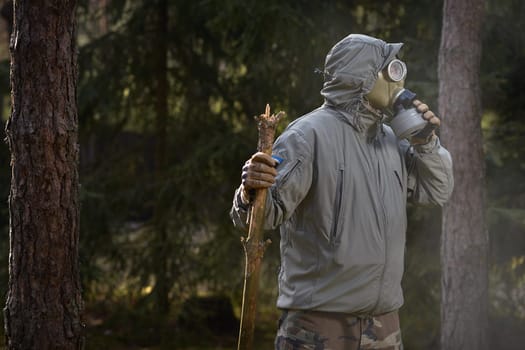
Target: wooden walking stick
[(254, 246)]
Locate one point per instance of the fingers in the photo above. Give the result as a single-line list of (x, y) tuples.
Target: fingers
[(259, 171), (433, 123), (262, 157), (427, 114), (253, 166), (432, 118), (421, 107)]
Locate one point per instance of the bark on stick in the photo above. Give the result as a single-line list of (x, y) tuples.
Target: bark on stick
[(254, 245)]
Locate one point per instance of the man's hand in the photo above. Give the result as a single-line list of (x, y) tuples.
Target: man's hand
[(433, 123), (258, 172)]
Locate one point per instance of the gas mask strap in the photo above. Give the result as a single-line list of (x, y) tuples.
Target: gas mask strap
[(376, 112)]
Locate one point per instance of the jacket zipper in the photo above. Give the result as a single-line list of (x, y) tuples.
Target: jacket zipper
[(337, 205), (287, 175), (384, 228), (398, 179)]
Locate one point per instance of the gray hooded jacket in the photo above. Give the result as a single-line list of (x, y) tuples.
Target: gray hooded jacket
[(341, 192)]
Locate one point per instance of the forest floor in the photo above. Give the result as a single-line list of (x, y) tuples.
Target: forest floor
[(264, 338), (140, 332), (97, 341)]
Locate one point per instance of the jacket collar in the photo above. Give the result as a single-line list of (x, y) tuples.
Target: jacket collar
[(363, 118)]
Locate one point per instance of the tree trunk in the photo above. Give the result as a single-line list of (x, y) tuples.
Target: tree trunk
[(44, 302), (464, 243)]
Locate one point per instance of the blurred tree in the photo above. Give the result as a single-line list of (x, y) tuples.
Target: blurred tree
[(464, 247), (161, 93), (504, 130), (44, 300)]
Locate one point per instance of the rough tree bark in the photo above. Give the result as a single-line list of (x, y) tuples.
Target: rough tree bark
[(464, 244), (44, 303)]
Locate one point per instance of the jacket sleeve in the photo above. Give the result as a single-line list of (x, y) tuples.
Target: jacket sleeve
[(294, 177), (430, 178)]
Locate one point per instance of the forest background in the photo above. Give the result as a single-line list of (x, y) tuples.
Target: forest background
[(167, 92)]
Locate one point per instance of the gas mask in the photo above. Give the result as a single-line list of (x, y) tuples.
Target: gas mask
[(389, 95)]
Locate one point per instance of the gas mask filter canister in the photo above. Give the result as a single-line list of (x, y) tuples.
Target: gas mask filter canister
[(407, 121)]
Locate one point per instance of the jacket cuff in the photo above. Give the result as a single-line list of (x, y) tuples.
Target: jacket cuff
[(429, 147), (240, 201)]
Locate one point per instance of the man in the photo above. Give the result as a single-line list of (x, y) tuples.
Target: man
[(338, 184)]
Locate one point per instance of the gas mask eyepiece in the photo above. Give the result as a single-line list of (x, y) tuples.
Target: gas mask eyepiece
[(395, 71), (390, 80)]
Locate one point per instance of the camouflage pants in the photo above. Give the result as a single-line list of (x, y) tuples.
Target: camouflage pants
[(305, 330)]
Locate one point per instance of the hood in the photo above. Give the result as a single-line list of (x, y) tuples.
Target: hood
[(351, 69)]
